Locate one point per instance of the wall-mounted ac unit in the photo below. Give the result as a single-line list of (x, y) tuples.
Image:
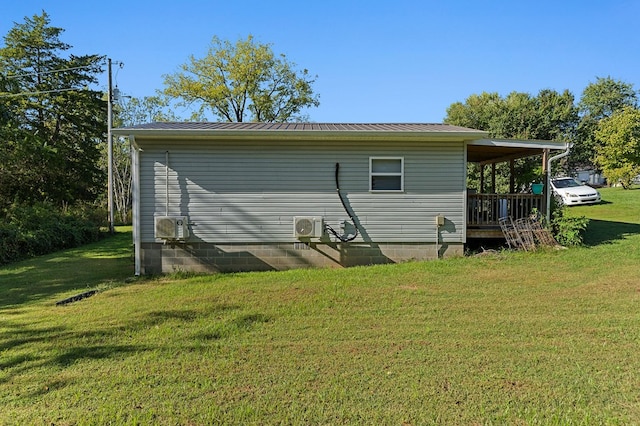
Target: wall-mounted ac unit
[(308, 226), (172, 227)]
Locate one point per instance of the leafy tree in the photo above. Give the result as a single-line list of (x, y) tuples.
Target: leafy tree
[(57, 121), (132, 111), (557, 116), (599, 100), (549, 115), (243, 81), (605, 97), (5, 120), (618, 151), (477, 112)]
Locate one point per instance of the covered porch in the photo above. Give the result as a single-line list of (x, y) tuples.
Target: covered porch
[(485, 206)]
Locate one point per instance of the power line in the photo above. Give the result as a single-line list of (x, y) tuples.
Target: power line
[(47, 72), (42, 92)]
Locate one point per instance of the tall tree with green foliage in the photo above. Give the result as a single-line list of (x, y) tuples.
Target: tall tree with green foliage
[(476, 112), (8, 135), (600, 100), (58, 122), (618, 151), (244, 81), (549, 116), (129, 111)]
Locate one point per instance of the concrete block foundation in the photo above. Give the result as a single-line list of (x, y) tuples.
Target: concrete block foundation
[(159, 258)]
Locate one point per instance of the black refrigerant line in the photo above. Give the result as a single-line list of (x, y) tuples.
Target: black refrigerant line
[(344, 205)]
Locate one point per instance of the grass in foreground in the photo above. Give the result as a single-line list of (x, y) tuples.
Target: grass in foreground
[(544, 338)]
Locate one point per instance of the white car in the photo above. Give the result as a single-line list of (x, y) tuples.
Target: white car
[(573, 192)]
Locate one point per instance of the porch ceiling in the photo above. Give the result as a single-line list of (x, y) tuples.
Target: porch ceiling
[(487, 151)]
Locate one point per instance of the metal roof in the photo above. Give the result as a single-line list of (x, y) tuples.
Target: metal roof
[(479, 148), (487, 151), (300, 127)]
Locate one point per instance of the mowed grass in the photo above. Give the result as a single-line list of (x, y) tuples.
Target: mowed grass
[(550, 337)]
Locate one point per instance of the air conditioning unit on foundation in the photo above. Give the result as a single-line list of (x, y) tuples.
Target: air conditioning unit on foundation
[(174, 228), (308, 226)]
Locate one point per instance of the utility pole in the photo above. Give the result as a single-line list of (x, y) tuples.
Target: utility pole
[(110, 150)]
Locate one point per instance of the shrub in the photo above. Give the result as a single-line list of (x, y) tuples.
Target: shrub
[(567, 230), (33, 230)]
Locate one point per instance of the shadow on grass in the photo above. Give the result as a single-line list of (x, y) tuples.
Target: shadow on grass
[(234, 326), (223, 320), (75, 269), (21, 334), (62, 347), (72, 355), (58, 346), (605, 232), (185, 315)]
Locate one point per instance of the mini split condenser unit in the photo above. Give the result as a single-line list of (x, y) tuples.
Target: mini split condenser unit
[(172, 227), (308, 226)]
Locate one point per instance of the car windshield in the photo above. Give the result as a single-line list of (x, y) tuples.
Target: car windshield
[(565, 183)]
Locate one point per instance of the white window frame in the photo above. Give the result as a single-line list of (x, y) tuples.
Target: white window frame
[(372, 174)]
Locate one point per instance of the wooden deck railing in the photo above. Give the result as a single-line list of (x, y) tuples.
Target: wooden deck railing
[(486, 209)]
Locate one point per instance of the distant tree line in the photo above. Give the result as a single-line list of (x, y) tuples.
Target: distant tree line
[(603, 127)]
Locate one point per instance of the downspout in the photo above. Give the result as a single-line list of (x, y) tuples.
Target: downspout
[(135, 203), (554, 158)]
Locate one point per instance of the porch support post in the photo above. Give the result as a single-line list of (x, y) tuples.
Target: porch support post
[(481, 189), (512, 177), (493, 178)]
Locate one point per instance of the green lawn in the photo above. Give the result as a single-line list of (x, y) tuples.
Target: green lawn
[(550, 337)]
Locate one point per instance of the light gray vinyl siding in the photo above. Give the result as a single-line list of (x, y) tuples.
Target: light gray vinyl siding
[(249, 192)]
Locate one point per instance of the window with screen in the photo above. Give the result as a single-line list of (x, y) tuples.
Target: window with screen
[(386, 174)]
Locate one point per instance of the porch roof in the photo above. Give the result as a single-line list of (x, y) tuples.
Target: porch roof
[(488, 151)]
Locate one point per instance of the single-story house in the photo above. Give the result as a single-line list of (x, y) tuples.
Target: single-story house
[(272, 196)]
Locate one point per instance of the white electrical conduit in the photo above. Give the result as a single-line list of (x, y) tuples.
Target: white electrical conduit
[(166, 183), (437, 239)]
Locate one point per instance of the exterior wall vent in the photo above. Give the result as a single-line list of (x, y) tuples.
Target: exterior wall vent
[(308, 226), (172, 227)]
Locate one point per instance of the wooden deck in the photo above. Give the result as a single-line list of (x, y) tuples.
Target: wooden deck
[(485, 210)]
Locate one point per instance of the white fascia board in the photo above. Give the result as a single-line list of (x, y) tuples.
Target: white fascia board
[(518, 143)]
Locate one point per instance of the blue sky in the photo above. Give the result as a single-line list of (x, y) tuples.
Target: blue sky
[(400, 61)]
